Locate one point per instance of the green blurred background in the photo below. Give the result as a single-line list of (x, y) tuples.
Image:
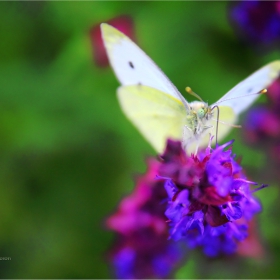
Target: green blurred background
[(68, 154)]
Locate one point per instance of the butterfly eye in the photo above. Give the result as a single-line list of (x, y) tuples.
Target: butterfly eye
[(201, 113)]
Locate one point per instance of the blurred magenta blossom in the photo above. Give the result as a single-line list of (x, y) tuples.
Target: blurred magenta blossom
[(123, 23), (257, 22), (142, 248), (252, 246)]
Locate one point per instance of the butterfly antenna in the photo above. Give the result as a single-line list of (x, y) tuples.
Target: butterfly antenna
[(189, 91), (185, 103), (263, 91), (231, 125), (218, 116)]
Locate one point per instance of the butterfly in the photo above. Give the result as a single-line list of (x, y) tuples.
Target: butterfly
[(159, 111)]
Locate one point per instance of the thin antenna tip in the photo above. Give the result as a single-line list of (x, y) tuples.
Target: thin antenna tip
[(263, 91), (190, 91)]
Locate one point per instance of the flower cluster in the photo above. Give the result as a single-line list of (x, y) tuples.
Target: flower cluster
[(142, 247), (201, 200), (210, 201), (257, 22)]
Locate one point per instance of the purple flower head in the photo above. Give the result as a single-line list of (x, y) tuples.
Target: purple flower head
[(208, 195), (257, 22), (142, 247)]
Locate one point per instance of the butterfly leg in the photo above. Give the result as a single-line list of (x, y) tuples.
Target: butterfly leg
[(211, 127), (198, 140), (187, 135)]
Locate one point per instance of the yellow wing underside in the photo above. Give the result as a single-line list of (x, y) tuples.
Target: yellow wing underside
[(159, 116)]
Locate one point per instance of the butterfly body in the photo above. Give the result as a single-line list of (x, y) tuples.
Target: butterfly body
[(200, 114), (159, 111)]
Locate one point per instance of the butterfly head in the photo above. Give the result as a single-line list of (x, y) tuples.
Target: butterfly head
[(201, 109)]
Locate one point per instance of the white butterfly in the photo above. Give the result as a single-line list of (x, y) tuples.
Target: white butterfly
[(158, 109)]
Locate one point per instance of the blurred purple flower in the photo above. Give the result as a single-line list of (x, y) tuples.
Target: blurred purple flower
[(123, 23), (142, 247), (207, 194), (257, 22), (274, 94), (252, 245), (262, 124)]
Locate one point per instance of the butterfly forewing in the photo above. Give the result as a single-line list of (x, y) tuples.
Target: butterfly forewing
[(236, 98), (131, 65)]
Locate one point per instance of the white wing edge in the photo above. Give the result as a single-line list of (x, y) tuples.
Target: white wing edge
[(114, 36), (272, 75)]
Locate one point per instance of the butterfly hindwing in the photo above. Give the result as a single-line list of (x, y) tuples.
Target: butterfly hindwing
[(227, 118)]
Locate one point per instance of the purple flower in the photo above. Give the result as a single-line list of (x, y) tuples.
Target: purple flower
[(142, 248), (208, 197), (257, 22), (261, 123), (201, 200), (274, 95), (221, 240)]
